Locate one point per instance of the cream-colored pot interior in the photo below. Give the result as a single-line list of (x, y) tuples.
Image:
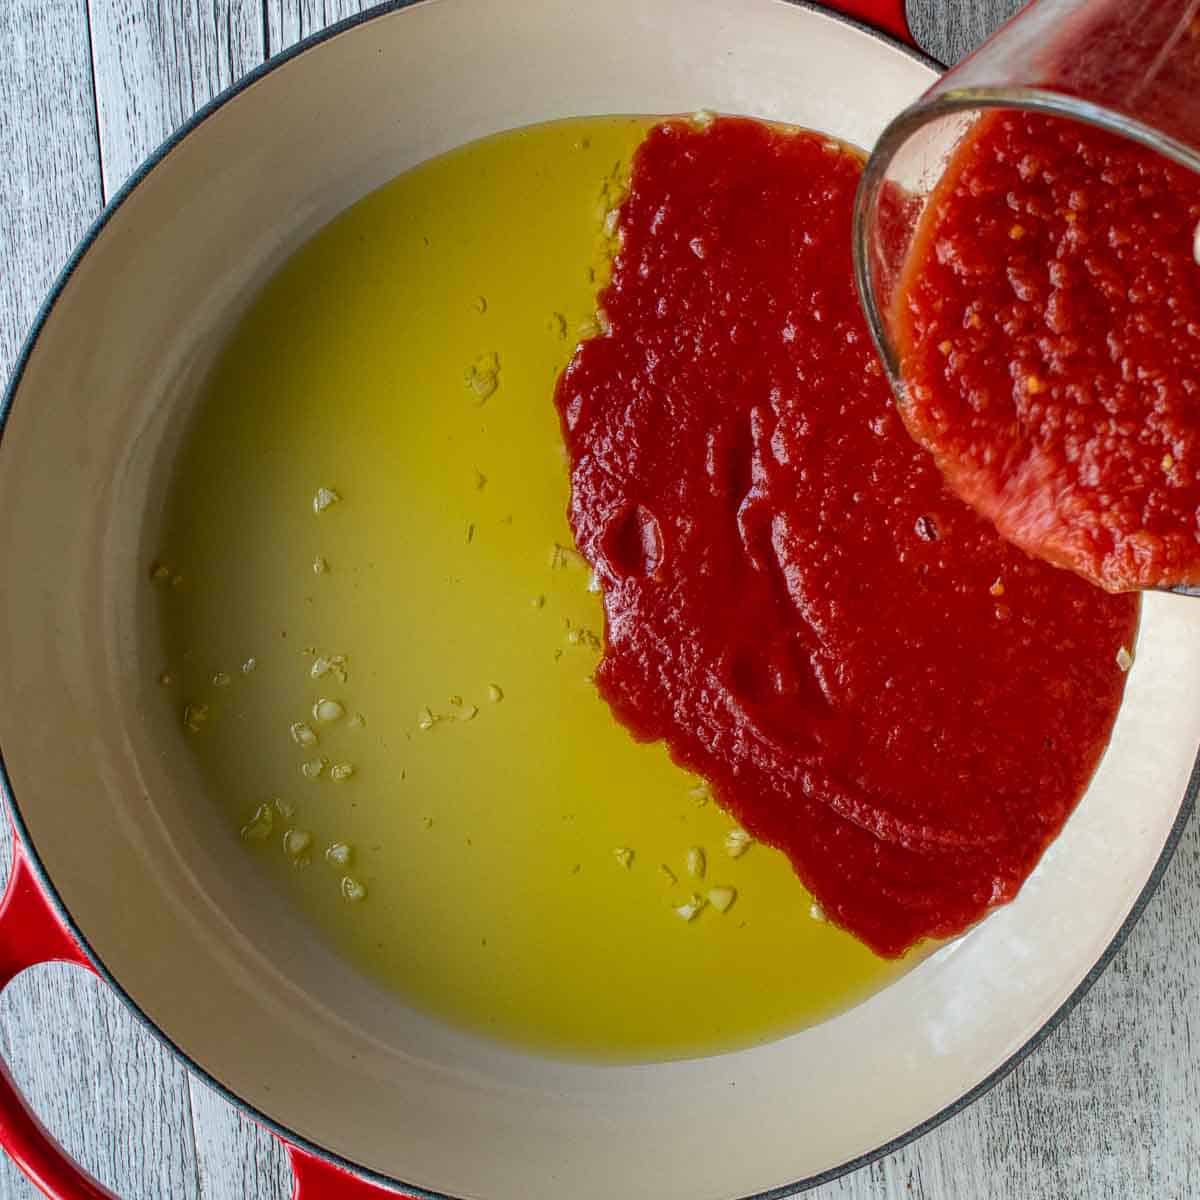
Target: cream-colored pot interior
[(114, 807)]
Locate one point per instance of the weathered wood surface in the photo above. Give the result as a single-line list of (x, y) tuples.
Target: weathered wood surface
[(1110, 1107)]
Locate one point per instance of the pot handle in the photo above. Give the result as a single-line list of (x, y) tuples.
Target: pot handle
[(888, 15), (33, 932), (319, 1179)]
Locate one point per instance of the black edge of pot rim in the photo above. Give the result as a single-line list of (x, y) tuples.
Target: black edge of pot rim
[(244, 1107)]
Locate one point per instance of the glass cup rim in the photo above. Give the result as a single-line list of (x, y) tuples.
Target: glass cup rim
[(943, 103)]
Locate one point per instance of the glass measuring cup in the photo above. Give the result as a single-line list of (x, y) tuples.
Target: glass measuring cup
[(1131, 67)]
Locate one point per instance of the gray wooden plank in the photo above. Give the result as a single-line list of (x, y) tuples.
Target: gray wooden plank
[(238, 1160), (288, 21), (49, 176), (157, 61), (948, 29), (49, 191), (104, 1086)]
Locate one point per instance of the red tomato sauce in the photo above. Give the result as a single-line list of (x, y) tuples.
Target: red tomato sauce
[(1049, 335), (870, 678)]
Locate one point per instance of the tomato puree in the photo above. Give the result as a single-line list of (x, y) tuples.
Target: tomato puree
[(869, 676), (1049, 335)]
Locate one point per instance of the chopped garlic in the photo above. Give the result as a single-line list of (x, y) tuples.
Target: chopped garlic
[(737, 842), (328, 710), (722, 898), (260, 825), (670, 875), (323, 498), (701, 793), (1124, 659), (469, 713), (166, 679), (249, 666), (341, 771), (426, 719), (313, 768), (817, 912), (352, 889), (997, 588), (702, 118), (338, 854), (483, 376), (689, 910), (480, 304), (221, 679), (494, 693), (283, 808), (195, 716), (584, 637), (335, 664), (303, 734), (624, 856), (696, 862), (320, 565), (1168, 463), (358, 720), (593, 582), (296, 842), (561, 556), (538, 601)]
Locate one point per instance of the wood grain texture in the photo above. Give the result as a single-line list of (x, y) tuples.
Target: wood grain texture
[(1107, 1108), (288, 21), (156, 61), (948, 29), (77, 1054), (237, 1159), (49, 169)]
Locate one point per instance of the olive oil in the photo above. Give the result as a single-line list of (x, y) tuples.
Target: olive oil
[(380, 638)]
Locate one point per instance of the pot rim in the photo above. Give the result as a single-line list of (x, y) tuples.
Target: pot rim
[(21, 831)]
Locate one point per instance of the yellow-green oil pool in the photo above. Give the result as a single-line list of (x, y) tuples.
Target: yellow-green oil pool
[(511, 860)]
